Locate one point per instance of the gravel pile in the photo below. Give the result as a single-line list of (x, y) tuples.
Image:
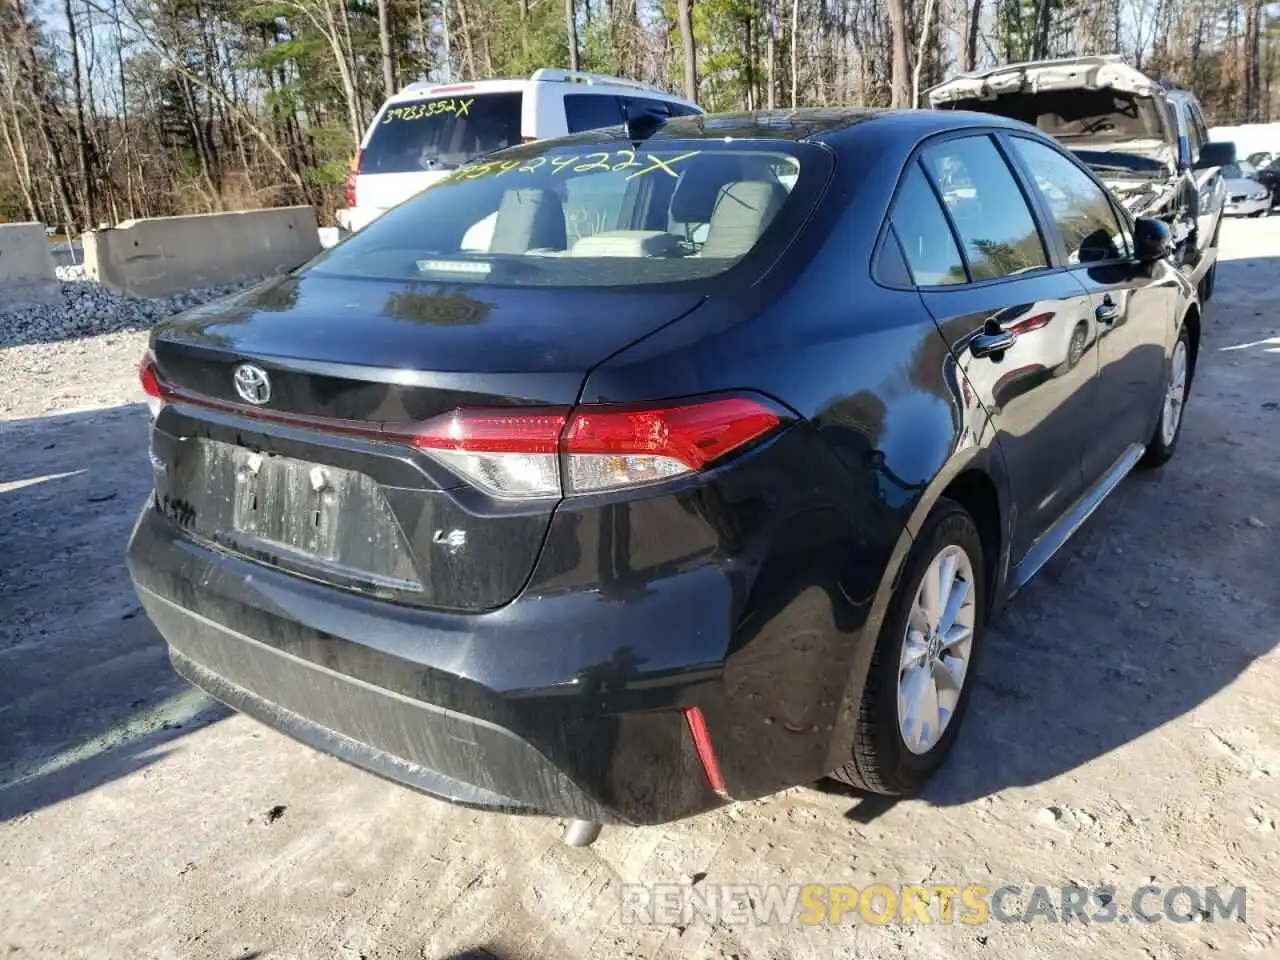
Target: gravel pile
[(88, 309)]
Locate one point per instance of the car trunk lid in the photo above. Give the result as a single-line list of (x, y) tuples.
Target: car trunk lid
[(318, 473)]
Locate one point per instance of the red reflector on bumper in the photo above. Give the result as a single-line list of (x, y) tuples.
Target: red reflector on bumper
[(702, 743)]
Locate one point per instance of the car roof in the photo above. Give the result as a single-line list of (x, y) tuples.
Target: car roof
[(592, 83), (827, 124)]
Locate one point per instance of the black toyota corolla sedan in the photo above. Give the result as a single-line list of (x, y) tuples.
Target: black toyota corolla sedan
[(622, 476)]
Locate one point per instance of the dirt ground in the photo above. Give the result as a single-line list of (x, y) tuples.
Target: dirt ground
[(1126, 730)]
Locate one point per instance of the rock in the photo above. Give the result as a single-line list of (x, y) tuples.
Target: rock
[(88, 309), (343, 889), (1143, 604), (1255, 522), (1048, 816)]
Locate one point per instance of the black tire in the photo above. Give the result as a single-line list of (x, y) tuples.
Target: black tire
[(1159, 451), (882, 762)]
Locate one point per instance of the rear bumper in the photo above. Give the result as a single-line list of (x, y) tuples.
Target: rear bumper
[(417, 697), (747, 593)]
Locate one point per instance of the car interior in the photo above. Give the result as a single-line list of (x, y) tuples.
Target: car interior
[(718, 207)]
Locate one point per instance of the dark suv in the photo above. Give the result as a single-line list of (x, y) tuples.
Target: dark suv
[(699, 479)]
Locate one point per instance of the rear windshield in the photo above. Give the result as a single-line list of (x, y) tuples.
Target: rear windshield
[(593, 214), (441, 133), (1101, 115)]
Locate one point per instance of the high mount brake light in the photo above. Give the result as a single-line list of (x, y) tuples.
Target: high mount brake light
[(550, 452)]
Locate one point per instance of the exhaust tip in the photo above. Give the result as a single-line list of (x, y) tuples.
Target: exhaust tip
[(581, 833)]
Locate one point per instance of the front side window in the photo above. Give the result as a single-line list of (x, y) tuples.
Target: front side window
[(440, 133), (987, 207), (1085, 217), (595, 214)]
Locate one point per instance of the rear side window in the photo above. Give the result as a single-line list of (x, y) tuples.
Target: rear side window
[(927, 243), (987, 206), (591, 111), (441, 133), (1084, 215)]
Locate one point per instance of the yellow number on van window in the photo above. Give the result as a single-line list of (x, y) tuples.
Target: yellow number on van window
[(533, 164)]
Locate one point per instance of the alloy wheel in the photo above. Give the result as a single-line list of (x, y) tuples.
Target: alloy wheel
[(936, 649), (1175, 394)]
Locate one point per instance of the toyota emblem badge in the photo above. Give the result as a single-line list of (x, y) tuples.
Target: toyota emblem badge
[(252, 383)]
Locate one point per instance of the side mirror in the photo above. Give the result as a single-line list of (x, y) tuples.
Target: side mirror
[(1220, 153), (1152, 240)]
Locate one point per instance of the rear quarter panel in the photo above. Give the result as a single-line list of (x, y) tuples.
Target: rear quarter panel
[(867, 369)]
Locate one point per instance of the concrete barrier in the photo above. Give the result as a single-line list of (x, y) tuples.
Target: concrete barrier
[(165, 255), (26, 267)]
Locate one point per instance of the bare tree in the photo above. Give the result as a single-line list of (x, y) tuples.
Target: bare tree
[(571, 30), (384, 44), (685, 12), (900, 71), (973, 26)]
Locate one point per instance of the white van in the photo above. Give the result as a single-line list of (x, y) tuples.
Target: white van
[(427, 130)]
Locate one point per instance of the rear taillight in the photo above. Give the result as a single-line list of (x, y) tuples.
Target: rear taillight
[(607, 448), (539, 452), (508, 453), (150, 381), (352, 173)]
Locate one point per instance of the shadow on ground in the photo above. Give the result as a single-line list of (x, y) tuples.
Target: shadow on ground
[(86, 691)]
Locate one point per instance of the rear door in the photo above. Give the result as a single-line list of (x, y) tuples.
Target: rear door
[(1133, 304), (985, 273), (415, 143)]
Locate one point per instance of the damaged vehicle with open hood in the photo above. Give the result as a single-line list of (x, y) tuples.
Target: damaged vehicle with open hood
[(1149, 144)]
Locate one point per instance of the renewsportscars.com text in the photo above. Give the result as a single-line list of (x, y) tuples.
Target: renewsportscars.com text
[(970, 904)]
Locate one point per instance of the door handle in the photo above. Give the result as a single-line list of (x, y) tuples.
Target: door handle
[(989, 343), (1107, 313)]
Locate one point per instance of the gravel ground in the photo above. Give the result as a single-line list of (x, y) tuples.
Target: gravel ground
[(1125, 731)]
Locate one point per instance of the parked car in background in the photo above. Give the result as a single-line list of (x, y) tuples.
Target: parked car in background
[(1148, 143), (1269, 177), (426, 131), (703, 480), (1247, 196)]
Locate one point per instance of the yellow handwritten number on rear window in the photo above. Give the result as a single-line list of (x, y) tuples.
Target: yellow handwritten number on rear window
[(614, 161), (430, 108)]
